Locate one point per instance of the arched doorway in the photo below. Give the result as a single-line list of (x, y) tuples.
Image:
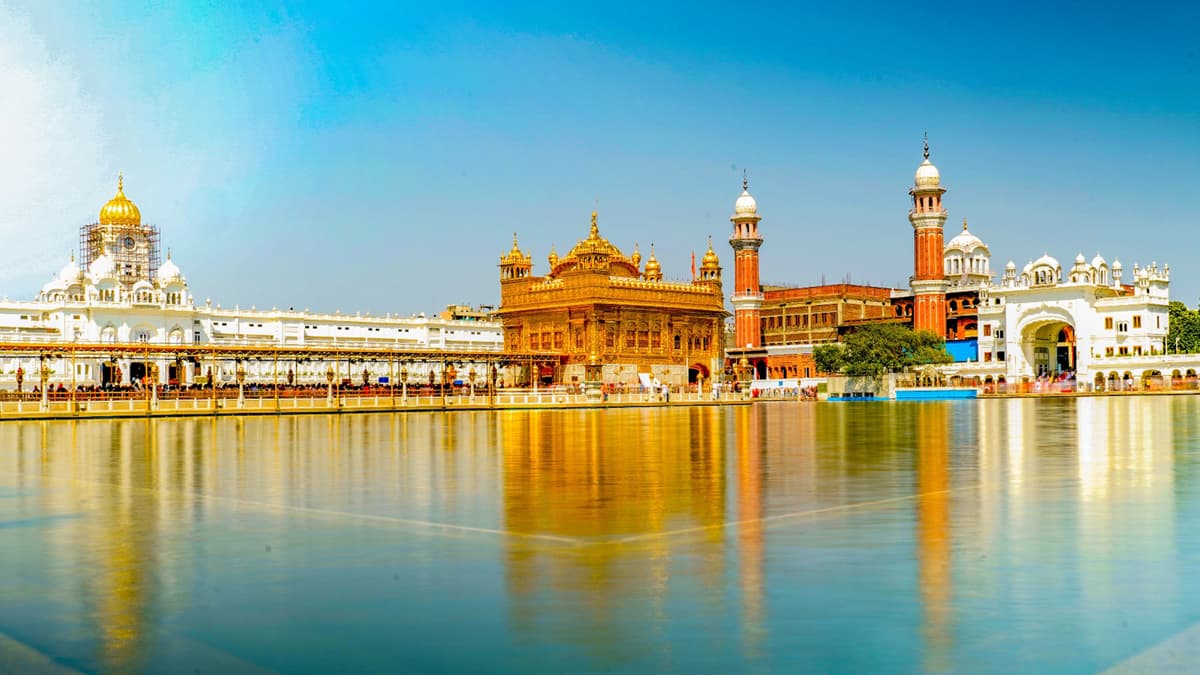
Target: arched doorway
[(760, 370), (1050, 347), (696, 371)]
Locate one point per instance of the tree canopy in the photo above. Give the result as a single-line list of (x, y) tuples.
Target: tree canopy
[(876, 349), (1183, 325)]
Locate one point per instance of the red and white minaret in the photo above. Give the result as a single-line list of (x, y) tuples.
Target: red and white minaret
[(747, 293), (929, 278)]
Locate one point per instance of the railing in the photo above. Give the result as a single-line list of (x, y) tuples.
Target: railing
[(254, 398)]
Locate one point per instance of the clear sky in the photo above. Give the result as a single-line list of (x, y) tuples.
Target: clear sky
[(378, 157)]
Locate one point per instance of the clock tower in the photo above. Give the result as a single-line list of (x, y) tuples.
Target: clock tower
[(121, 235)]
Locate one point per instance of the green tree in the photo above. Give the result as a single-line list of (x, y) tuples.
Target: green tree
[(828, 358), (876, 349), (1183, 328)]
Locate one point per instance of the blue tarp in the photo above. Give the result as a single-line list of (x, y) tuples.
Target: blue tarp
[(963, 350)]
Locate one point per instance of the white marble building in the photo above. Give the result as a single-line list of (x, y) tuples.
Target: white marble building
[(1087, 322), (121, 299)]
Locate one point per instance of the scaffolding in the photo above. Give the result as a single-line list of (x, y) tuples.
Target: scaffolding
[(131, 263)]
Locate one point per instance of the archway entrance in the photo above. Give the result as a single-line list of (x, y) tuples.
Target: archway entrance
[(137, 371), (1050, 348), (696, 371)]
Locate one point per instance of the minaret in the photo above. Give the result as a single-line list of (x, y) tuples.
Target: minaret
[(747, 294), (929, 279)]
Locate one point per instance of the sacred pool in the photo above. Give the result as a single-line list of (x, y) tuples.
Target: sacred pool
[(1013, 535)]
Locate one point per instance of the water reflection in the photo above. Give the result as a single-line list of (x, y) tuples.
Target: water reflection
[(1046, 535)]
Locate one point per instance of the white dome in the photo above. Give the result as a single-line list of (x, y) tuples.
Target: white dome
[(1080, 260), (1116, 264), (70, 272), (745, 205), (1098, 261), (1047, 259), (966, 241), (169, 272), (928, 175), (1011, 265), (102, 268)]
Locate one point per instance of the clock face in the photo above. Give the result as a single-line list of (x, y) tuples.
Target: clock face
[(129, 242)]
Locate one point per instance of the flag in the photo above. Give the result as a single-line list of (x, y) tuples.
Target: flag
[(693, 265)]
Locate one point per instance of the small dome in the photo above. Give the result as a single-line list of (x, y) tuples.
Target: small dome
[(102, 268), (927, 175), (1011, 266), (169, 272), (119, 210), (745, 206), (70, 272), (965, 241), (653, 268), (1080, 260), (1098, 261), (1047, 259), (1116, 265), (552, 258), (636, 258), (710, 257)]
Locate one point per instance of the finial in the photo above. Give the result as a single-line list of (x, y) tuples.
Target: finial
[(514, 240), (745, 181), (595, 227), (168, 253), (72, 255), (120, 181), (926, 145), (964, 224), (710, 242)]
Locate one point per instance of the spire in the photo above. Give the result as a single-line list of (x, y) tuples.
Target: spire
[(745, 181), (965, 224), (595, 233), (926, 145), (120, 181)]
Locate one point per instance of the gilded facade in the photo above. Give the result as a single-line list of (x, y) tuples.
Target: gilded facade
[(597, 305)]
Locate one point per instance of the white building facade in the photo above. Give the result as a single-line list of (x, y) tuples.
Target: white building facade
[(122, 298), (1086, 324)]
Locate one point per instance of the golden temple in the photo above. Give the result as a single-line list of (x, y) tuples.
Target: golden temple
[(596, 305)]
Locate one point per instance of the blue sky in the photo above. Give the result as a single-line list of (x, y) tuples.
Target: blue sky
[(380, 158)]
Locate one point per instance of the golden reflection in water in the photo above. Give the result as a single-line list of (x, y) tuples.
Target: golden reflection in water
[(933, 534), (605, 477), (750, 532)]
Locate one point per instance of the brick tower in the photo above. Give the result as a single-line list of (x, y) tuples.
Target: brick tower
[(927, 217), (747, 294)]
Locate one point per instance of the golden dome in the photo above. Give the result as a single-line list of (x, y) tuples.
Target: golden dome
[(515, 256), (595, 244), (710, 259), (653, 269), (552, 258), (119, 210), (636, 258)]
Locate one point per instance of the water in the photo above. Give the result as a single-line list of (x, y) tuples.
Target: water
[(972, 536)]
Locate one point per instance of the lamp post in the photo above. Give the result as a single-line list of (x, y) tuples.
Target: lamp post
[(471, 380), (743, 368), (329, 382), (44, 373), (241, 380), (404, 384), (153, 372)]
